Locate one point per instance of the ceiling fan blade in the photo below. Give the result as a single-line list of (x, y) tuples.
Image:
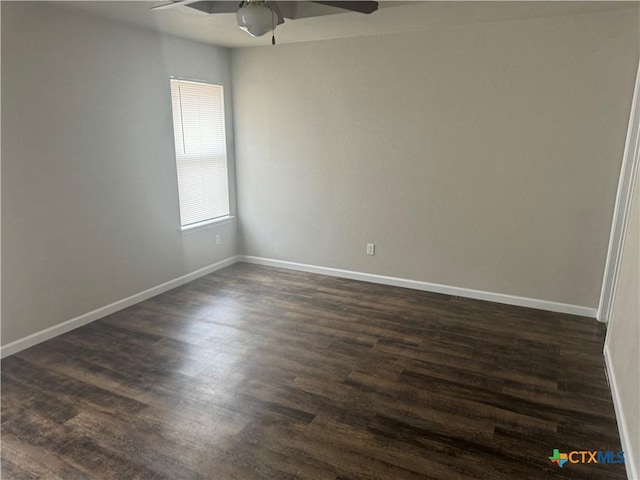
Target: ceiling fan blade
[(276, 9), (307, 9), (210, 6), (288, 8), (354, 6), (215, 6), (175, 3)]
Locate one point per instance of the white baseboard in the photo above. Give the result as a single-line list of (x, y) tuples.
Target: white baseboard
[(629, 456), (101, 312), (48, 333), (426, 286)]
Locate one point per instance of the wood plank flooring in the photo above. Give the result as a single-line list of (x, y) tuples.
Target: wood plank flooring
[(262, 373)]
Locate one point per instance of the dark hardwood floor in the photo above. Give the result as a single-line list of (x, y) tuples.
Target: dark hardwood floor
[(262, 373)]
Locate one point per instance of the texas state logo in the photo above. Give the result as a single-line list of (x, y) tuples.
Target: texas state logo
[(586, 456), (559, 458)]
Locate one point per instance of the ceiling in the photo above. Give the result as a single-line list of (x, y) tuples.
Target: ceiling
[(392, 17)]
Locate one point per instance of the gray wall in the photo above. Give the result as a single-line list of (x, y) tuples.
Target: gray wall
[(483, 156), (623, 334), (89, 195)]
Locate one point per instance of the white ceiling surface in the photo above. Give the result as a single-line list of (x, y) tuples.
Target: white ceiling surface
[(392, 17)]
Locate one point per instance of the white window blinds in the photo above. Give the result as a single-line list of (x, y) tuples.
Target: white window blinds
[(201, 154)]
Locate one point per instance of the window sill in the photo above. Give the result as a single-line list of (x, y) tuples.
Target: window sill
[(194, 227)]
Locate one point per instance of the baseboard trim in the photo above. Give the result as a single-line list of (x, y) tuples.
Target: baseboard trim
[(48, 333), (51, 332), (427, 287), (629, 458)]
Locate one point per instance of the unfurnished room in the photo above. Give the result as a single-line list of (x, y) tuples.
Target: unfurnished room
[(320, 240)]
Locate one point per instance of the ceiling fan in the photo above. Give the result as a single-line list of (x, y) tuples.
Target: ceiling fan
[(257, 17)]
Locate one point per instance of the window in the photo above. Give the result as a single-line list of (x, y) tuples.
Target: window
[(201, 153)]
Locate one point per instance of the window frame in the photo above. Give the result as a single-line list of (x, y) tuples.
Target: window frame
[(218, 220)]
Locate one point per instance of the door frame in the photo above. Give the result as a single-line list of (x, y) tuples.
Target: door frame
[(622, 206)]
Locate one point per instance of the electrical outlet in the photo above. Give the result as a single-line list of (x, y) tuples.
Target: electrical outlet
[(371, 249), (218, 239)]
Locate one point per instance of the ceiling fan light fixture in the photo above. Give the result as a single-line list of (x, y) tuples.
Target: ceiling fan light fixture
[(256, 18)]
